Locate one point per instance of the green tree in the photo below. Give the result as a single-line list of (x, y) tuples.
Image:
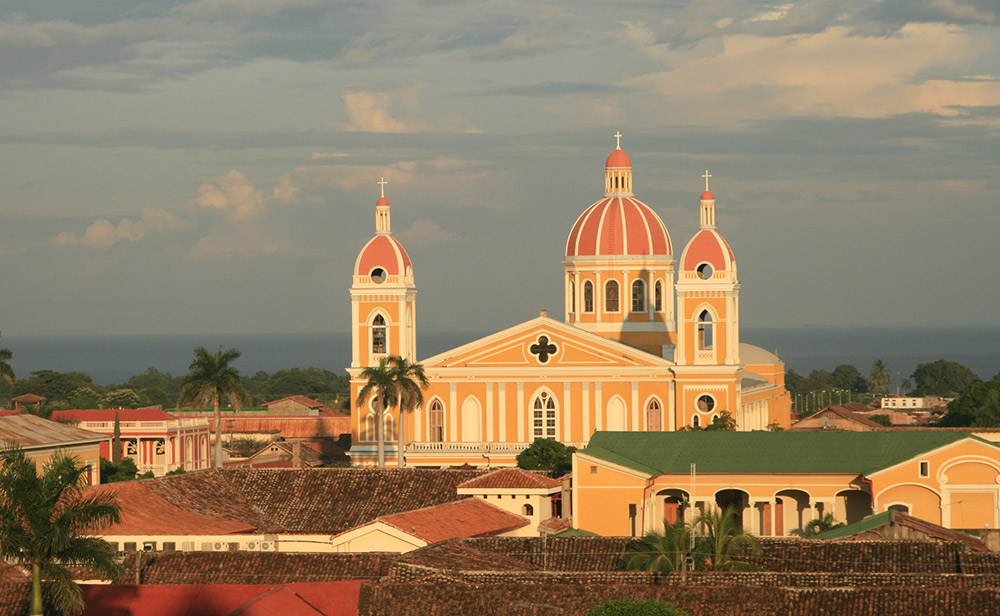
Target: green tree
[(381, 387), (45, 522), (246, 447), (84, 398), (153, 379), (821, 525), (881, 419), (546, 454), (633, 607), (978, 406), (410, 382), (664, 551), (723, 422), (846, 376), (722, 541), (211, 379), (878, 379), (56, 386), (942, 378), (6, 371), (121, 399)]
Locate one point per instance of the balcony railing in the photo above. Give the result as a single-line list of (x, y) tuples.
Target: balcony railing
[(474, 447)]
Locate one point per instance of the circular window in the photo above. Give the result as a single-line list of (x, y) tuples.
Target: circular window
[(378, 275), (705, 271), (705, 403)]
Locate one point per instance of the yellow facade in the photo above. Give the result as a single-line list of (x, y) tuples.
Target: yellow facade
[(636, 350)]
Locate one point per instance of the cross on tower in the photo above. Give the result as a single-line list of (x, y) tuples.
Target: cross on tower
[(382, 184), (542, 349), (618, 140), (706, 176)]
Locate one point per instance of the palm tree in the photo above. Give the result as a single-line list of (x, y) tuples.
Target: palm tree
[(722, 540), (43, 524), (821, 525), (6, 372), (661, 551), (879, 378), (410, 382), (211, 379), (381, 383)]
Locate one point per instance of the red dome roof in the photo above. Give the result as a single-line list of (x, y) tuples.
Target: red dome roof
[(382, 251), (382, 201), (618, 158), (707, 246), (618, 226), (707, 196)]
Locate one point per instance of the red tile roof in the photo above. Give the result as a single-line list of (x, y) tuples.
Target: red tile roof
[(306, 599), (32, 431), (245, 567), (470, 517), (29, 398), (511, 479), (143, 512), (109, 415)]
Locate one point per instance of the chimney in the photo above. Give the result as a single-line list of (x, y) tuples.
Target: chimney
[(543, 313), (296, 455)]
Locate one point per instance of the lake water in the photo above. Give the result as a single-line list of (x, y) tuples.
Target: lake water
[(113, 359)]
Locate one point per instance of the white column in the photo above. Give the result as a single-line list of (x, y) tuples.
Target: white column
[(585, 398), (453, 412), (520, 413), (489, 412), (502, 401), (599, 423), (355, 334)]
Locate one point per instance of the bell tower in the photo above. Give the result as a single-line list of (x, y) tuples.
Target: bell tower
[(383, 296)]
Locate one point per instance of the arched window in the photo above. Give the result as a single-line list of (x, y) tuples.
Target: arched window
[(436, 418), (615, 421), (654, 416), (369, 434), (588, 296), (572, 296), (695, 421), (611, 296), (658, 296), (543, 416), (638, 296), (388, 423), (378, 334), (527, 510), (705, 339), (471, 413)]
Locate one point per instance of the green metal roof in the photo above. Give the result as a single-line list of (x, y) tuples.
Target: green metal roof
[(765, 452), (873, 521)]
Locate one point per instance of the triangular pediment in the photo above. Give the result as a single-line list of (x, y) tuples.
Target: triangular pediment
[(544, 343)]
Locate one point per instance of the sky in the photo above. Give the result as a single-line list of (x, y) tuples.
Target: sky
[(212, 166)]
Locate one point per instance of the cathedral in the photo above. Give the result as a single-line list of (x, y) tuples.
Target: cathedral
[(648, 343)]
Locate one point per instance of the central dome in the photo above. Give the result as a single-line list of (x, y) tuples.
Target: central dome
[(619, 224)]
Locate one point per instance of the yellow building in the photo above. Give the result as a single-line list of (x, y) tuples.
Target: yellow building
[(647, 343), (41, 439), (628, 484)]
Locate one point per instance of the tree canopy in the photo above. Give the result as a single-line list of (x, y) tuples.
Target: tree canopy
[(942, 378), (46, 521), (978, 406), (213, 378), (546, 454)]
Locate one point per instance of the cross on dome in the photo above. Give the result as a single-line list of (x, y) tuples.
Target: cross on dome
[(706, 176), (618, 140), (382, 184)]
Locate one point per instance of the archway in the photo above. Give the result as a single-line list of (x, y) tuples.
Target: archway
[(674, 503), (792, 512), (853, 505), (738, 500)]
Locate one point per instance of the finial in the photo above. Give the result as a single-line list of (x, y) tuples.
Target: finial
[(706, 176), (382, 184), (618, 140)]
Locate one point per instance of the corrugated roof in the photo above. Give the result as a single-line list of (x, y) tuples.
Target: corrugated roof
[(470, 517), (765, 452), (890, 517), (32, 431), (109, 415)]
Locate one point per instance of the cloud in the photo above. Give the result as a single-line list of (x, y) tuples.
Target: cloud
[(523, 42), (425, 233), (395, 111), (103, 234), (232, 193), (9, 250), (235, 243), (546, 89)]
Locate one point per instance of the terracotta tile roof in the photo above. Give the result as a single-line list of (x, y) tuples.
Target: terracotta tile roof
[(511, 479), (306, 599), (325, 500), (145, 512), (109, 415), (840, 411), (336, 499), (290, 427), (32, 431), (470, 517), (459, 555), (254, 567), (29, 399)]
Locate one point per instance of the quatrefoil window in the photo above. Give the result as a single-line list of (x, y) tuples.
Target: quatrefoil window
[(543, 349)]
